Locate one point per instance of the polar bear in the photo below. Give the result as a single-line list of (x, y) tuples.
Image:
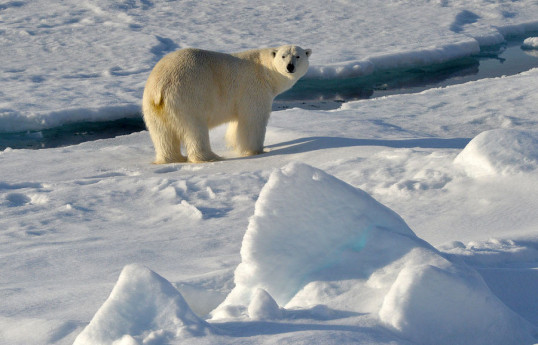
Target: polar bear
[(191, 90)]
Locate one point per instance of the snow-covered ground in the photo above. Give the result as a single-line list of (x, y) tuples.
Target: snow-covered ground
[(72, 60), (409, 219), (530, 43)]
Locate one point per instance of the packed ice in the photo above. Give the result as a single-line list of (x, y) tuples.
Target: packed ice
[(530, 43), (408, 219)]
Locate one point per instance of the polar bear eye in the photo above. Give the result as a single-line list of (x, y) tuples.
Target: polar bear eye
[(283, 56), (298, 57)]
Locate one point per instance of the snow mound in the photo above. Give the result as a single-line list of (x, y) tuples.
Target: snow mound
[(304, 220), (530, 43), (144, 308), (263, 306), (433, 302), (317, 241), (500, 152)]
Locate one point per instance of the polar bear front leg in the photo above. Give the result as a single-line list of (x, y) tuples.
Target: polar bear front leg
[(250, 133)]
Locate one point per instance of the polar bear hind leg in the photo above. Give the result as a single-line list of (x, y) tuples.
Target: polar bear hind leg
[(166, 141), (195, 135)]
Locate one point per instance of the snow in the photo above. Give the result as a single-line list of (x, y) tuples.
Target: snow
[(142, 305), (500, 152), (314, 240), (287, 243), (72, 223), (530, 43), (317, 247), (371, 223), (87, 61), (262, 306)]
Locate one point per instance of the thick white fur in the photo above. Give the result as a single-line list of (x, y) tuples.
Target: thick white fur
[(191, 90)]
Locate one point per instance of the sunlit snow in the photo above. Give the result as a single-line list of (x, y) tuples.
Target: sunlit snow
[(408, 219)]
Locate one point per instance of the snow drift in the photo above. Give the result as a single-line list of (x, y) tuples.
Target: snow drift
[(142, 306), (309, 226), (530, 43), (319, 248), (500, 152), (315, 240)]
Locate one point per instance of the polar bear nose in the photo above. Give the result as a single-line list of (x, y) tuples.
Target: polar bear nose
[(290, 68)]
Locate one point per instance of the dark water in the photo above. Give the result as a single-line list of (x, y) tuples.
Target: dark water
[(492, 61), (70, 134)]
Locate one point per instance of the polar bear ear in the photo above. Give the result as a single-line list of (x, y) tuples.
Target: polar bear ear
[(274, 53), (308, 52)]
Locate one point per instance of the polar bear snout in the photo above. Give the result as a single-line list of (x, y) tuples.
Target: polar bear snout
[(291, 61)]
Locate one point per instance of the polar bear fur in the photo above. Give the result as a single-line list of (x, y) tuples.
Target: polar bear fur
[(191, 91)]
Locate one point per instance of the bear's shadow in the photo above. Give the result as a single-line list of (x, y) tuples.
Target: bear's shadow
[(308, 144)]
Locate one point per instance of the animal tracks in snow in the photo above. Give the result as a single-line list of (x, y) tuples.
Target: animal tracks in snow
[(17, 199), (5, 185), (21, 194)]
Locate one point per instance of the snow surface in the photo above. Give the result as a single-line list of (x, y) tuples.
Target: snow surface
[(140, 301), (89, 60), (316, 241), (530, 43), (74, 219), (500, 152)]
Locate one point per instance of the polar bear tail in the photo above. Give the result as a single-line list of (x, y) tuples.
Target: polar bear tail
[(164, 135)]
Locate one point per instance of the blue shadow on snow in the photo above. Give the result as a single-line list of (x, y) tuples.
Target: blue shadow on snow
[(308, 144)]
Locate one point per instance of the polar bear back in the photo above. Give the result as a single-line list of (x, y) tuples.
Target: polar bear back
[(194, 80), (206, 80)]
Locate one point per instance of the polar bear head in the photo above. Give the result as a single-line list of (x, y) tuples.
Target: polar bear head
[(291, 61)]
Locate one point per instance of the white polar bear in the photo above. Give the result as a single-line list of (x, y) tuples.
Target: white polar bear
[(191, 90)]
